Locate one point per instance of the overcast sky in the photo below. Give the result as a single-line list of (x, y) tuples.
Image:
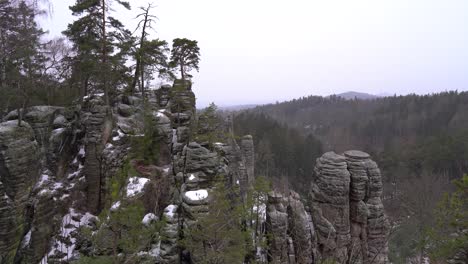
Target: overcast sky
[(259, 51)]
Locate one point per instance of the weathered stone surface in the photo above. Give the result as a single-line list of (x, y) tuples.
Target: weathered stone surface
[(125, 110), (98, 124), (248, 152), (301, 230), (18, 171), (330, 206), (369, 224), (277, 227), (170, 234)]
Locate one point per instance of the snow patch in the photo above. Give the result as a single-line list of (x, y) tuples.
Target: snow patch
[(57, 131), (44, 178), (82, 151), (191, 177), (150, 217), (197, 195), (119, 136), (135, 185), (261, 209), (91, 95), (154, 252), (170, 210), (174, 136), (27, 239), (115, 206)]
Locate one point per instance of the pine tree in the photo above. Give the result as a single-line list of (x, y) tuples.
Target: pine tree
[(217, 237), (151, 55), (185, 54), (21, 57), (101, 43), (449, 237)]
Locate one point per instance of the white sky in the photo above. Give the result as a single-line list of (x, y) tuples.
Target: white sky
[(258, 51)]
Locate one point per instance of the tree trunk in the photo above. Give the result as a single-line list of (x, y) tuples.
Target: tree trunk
[(182, 70), (139, 63), (104, 53), (142, 69), (135, 75)]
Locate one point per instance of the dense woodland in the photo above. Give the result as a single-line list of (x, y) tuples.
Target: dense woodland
[(283, 154)]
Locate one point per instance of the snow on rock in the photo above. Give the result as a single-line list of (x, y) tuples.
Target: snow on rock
[(26, 239), (93, 95), (170, 210), (191, 177), (44, 178), (57, 131), (119, 136), (135, 185), (65, 243), (82, 151), (115, 206), (154, 252), (261, 210), (197, 195), (150, 217), (174, 136)]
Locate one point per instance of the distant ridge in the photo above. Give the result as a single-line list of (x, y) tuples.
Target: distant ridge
[(237, 107), (352, 95)]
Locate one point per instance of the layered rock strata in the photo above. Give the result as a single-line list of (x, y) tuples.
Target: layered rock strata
[(19, 170)]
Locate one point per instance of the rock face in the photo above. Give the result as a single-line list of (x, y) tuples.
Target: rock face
[(247, 147), (369, 225), (98, 125), (277, 226), (330, 206), (18, 171), (347, 210)]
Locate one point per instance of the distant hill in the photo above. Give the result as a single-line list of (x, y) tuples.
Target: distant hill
[(352, 95), (237, 107)]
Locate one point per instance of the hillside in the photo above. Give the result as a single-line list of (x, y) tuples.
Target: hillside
[(420, 143)]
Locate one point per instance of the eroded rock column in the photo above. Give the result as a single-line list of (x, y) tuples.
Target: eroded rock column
[(330, 206), (369, 225)]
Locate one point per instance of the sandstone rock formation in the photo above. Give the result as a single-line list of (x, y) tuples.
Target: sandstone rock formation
[(55, 174), (347, 210), (18, 171)]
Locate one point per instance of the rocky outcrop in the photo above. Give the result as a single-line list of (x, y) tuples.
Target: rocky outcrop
[(247, 147), (97, 123), (301, 230), (347, 210), (330, 206), (369, 225), (277, 228), (19, 169)]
